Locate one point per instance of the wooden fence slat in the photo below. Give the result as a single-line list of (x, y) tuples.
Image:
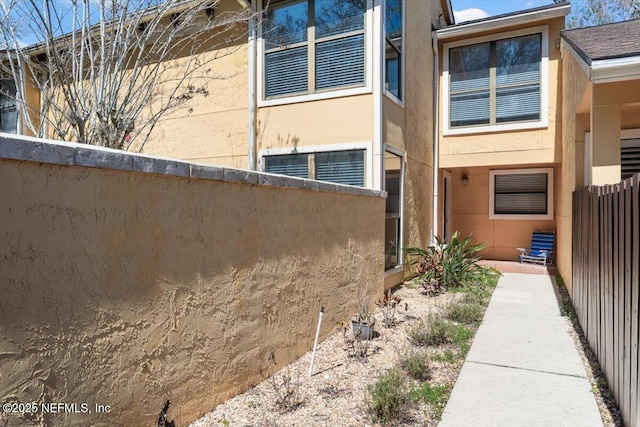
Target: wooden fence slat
[(618, 294), (625, 401), (609, 310), (635, 301), (606, 284)]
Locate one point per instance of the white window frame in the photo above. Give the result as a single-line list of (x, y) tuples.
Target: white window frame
[(366, 146), (403, 167), (388, 93), (328, 94), (502, 127), (550, 186)]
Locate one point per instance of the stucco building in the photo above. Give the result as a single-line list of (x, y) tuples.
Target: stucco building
[(484, 127)]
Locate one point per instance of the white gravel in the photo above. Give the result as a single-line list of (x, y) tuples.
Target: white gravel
[(336, 394)]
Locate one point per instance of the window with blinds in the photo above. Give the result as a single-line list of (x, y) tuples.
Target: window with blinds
[(630, 157), (522, 193), (495, 82), (8, 108), (341, 167), (313, 46)]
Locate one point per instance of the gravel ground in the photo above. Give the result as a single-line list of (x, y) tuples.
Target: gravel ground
[(336, 394)]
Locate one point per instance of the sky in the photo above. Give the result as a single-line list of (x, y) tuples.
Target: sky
[(466, 10)]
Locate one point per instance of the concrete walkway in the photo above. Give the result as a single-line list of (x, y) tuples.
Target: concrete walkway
[(523, 368)]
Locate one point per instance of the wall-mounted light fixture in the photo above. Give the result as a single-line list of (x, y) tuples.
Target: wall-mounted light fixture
[(465, 180)]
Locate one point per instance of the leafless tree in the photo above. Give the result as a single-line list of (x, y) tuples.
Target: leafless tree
[(109, 70), (598, 12)]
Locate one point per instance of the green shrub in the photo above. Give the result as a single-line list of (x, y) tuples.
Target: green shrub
[(432, 331), (449, 265), (388, 397), (434, 395), (436, 331), (465, 313), (416, 364)]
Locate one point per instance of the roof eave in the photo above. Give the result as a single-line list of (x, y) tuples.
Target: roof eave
[(615, 70), (503, 22), (606, 70)]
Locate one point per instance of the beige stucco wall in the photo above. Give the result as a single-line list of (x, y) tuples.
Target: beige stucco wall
[(470, 214), (32, 99), (409, 127), (125, 289), (322, 122), (576, 95), (524, 147), (212, 129)]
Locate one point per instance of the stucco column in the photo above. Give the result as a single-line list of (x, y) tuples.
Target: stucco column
[(605, 139)]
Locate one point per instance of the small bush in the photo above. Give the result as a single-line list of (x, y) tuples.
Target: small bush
[(388, 397), (465, 313), (434, 395), (436, 331), (416, 364), (432, 331)]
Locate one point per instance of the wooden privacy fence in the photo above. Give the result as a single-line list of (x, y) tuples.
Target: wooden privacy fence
[(606, 258)]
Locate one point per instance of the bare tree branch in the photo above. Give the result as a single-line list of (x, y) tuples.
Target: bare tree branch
[(109, 70)]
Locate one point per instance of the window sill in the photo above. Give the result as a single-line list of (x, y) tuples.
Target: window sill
[(546, 217), (315, 96), (393, 270), (507, 127)]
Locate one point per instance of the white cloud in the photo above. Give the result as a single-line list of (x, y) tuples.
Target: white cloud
[(469, 14)]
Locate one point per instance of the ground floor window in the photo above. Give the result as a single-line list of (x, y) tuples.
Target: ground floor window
[(341, 167), (393, 219), (8, 108), (521, 194)]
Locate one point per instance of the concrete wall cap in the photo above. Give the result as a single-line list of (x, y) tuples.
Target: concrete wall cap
[(25, 148)]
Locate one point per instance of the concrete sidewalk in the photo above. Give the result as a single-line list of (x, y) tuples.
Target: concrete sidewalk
[(523, 368)]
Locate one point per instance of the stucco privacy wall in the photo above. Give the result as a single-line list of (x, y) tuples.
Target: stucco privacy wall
[(126, 280)]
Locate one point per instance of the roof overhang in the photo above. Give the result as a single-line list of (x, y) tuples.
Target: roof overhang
[(448, 11), (503, 22), (607, 70)]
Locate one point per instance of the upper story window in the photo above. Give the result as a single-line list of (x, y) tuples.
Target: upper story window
[(494, 84), (312, 46), (393, 47), (8, 108)]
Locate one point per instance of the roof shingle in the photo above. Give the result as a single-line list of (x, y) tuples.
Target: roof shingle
[(618, 40)]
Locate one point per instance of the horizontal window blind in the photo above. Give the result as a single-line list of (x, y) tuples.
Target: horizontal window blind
[(287, 71), (288, 164), (341, 167), (521, 194), (506, 71), (630, 157), (470, 108), (518, 103), (340, 62)]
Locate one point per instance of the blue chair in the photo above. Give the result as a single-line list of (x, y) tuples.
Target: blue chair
[(541, 248)]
